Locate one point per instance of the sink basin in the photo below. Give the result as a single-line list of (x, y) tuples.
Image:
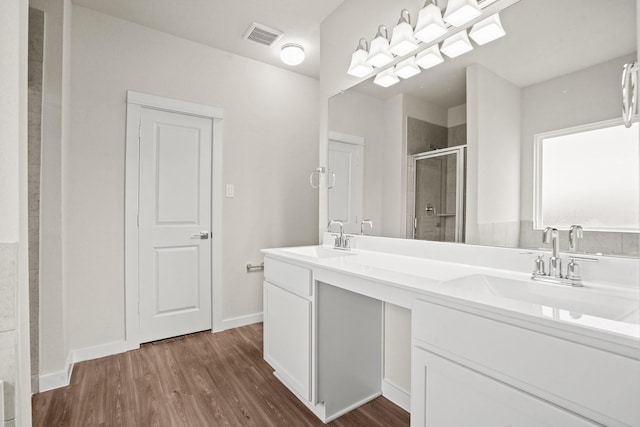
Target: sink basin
[(317, 252), (557, 301)]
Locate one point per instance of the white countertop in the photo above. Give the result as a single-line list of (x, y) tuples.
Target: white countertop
[(599, 315)]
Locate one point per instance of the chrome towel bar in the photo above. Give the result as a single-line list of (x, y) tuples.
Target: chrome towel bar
[(258, 267)]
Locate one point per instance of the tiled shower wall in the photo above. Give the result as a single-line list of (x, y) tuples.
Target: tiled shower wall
[(36, 44), (8, 262)]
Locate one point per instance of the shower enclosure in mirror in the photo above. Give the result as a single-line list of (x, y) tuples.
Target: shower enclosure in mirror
[(438, 195)]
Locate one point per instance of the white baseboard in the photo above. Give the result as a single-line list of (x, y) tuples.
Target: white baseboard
[(236, 322), (62, 378), (396, 395), (57, 379), (98, 351)]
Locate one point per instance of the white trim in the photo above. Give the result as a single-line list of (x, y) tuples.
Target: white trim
[(352, 407), (347, 139), (169, 104), (57, 379), (396, 395), (101, 350), (237, 322), (136, 101)]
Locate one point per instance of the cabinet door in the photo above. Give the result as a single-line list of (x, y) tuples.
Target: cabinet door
[(444, 393), (287, 337)]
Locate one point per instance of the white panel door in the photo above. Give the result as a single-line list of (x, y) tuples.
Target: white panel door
[(345, 198), (174, 224)]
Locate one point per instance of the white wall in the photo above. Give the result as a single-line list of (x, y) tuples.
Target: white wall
[(14, 293), (493, 164), (587, 96), (53, 343), (392, 168), (270, 137), (422, 110), (367, 124)]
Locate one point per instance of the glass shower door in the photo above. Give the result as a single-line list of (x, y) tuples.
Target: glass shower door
[(438, 195)]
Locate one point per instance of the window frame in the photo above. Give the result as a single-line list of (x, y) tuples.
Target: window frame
[(538, 140)]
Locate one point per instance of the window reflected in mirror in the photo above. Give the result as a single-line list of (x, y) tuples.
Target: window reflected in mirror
[(588, 175)]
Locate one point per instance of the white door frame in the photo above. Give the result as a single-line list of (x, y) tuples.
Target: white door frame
[(136, 101)]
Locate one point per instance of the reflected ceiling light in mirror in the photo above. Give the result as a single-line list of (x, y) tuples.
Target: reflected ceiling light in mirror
[(459, 12), (487, 30), (386, 78), (359, 66), (456, 45), (430, 24), (379, 54), (429, 58), (292, 54), (407, 68), (402, 39)]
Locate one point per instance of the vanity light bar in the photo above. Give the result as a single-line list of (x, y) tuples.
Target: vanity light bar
[(431, 26)]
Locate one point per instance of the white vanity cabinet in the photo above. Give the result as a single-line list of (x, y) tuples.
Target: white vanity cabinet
[(469, 369), (288, 324)]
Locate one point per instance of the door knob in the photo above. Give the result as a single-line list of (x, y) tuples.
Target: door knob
[(203, 235)]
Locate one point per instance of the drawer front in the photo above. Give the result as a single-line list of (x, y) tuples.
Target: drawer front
[(288, 276), (444, 393), (600, 385)]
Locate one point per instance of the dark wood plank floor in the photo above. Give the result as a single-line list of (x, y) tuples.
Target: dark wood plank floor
[(201, 379)]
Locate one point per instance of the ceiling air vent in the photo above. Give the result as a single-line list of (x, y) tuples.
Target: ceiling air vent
[(262, 34)]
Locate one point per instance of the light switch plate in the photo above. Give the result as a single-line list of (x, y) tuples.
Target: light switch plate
[(229, 190)]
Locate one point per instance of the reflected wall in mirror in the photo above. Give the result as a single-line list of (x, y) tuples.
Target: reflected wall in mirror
[(559, 67)]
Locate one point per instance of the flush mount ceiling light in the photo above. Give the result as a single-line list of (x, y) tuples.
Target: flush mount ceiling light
[(430, 24), (459, 12), (429, 58), (359, 66), (292, 54), (386, 78), (402, 39), (407, 68), (487, 30), (379, 54), (456, 45)]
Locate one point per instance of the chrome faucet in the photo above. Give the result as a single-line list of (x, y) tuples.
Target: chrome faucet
[(342, 242), (552, 236), (575, 233), (363, 223)]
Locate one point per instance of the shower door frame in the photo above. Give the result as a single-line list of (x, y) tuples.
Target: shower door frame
[(459, 150)]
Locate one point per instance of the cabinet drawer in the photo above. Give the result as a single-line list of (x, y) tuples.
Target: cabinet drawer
[(288, 276), (444, 393), (597, 384)]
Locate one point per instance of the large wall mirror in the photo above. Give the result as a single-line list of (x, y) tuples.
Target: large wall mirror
[(492, 146)]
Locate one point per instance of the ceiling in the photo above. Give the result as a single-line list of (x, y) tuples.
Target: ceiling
[(222, 23)]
